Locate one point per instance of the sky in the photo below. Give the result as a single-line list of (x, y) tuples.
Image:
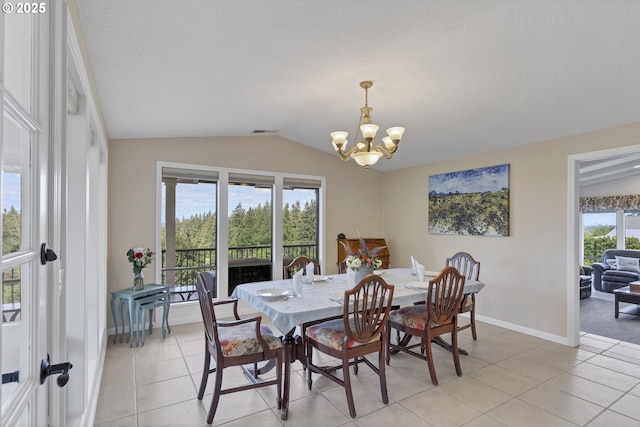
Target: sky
[(591, 219), (191, 199), (10, 190)]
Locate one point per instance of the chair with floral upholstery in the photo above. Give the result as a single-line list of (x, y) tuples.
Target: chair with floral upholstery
[(431, 320), (358, 332), (470, 268), (235, 343), (299, 263)]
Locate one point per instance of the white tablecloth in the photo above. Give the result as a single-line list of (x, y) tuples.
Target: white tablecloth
[(323, 298)]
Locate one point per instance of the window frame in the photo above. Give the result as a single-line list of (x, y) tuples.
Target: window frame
[(222, 242)]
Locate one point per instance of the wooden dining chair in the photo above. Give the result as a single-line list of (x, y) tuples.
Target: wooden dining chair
[(235, 343), (470, 268), (430, 321), (342, 266), (358, 332), (297, 264)]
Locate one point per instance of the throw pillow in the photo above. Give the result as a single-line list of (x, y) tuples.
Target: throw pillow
[(628, 264), (611, 263)]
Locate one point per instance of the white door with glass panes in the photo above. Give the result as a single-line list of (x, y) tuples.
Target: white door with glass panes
[(24, 142)]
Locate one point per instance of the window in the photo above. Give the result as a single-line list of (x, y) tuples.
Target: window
[(300, 219), (188, 228), (268, 219), (619, 229)]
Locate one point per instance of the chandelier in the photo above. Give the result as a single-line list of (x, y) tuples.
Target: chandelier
[(367, 152)]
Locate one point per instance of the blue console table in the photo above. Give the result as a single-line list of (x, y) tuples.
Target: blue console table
[(128, 296)]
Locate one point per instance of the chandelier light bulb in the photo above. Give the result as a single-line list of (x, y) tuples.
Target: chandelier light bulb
[(369, 130), (339, 137), (395, 133)]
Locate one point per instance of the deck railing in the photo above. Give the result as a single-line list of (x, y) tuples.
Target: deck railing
[(11, 295), (249, 263), (189, 262)]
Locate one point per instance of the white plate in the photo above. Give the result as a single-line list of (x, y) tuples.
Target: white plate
[(317, 278), (378, 272), (272, 292)]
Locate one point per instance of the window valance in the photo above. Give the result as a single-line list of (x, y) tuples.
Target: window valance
[(610, 203)]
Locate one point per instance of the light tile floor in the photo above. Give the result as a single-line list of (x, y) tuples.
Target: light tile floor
[(509, 379)]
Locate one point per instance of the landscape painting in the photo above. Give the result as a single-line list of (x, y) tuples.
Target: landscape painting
[(473, 202)]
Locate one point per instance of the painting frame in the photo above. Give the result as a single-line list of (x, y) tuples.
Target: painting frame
[(472, 202)]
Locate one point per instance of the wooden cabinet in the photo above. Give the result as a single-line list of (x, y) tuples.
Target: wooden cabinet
[(354, 244)]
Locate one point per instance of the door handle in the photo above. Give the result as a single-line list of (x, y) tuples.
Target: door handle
[(11, 377), (46, 254), (46, 369)]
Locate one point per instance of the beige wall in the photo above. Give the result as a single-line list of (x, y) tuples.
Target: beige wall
[(353, 194), (526, 272)]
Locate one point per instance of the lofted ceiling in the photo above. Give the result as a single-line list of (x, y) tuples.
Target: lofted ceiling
[(609, 169), (463, 77)]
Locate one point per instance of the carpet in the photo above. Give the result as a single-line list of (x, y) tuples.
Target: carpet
[(597, 317)]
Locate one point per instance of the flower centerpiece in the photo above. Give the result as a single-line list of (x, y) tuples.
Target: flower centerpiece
[(364, 261), (140, 258)]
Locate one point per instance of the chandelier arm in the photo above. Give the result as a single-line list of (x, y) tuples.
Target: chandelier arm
[(386, 153), (346, 155)]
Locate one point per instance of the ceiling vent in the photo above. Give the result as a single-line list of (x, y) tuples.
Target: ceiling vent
[(263, 131)]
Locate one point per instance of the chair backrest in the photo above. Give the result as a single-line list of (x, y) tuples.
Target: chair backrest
[(465, 264), (206, 308), (366, 308), (297, 264), (342, 266), (612, 253), (209, 278), (445, 293)]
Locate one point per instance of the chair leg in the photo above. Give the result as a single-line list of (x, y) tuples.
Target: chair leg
[(454, 350), (205, 371), (382, 374), (309, 351), (473, 317), (432, 368), (216, 395), (388, 345), (279, 364), (347, 387)]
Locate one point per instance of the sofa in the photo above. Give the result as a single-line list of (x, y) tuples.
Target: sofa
[(585, 281), (607, 275)]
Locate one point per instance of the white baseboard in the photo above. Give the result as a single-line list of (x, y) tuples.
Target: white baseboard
[(519, 328)]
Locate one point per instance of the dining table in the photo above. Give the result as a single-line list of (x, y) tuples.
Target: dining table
[(322, 298)]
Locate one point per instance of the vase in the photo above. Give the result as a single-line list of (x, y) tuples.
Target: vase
[(138, 281), (362, 272)]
